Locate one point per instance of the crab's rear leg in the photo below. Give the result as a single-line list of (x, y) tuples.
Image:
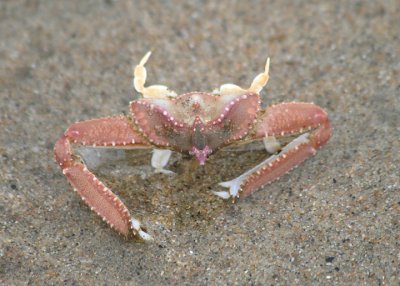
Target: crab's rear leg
[(107, 132), (307, 121)]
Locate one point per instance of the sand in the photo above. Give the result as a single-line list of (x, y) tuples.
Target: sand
[(332, 221)]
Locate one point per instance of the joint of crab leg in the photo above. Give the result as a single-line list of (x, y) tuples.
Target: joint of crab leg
[(261, 80), (235, 185), (229, 88), (140, 73), (112, 131)]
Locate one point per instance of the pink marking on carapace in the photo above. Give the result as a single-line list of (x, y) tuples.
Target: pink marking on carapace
[(109, 131), (288, 118)]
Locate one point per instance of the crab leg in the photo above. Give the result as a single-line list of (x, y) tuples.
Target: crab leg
[(160, 159), (307, 121), (256, 86), (108, 132), (139, 80)]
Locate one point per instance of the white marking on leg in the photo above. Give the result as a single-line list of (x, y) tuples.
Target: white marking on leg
[(136, 226), (160, 159), (271, 144), (145, 235)]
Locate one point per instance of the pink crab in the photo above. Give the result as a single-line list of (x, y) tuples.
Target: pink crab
[(195, 123)]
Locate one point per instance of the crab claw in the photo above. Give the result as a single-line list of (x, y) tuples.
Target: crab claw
[(135, 224), (234, 187)]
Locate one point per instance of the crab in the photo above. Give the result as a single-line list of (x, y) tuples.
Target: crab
[(197, 124)]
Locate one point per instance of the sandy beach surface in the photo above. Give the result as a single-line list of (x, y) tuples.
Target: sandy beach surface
[(335, 220)]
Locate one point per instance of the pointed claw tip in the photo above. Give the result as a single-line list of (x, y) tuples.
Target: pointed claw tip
[(267, 66), (225, 184), (224, 195), (145, 236), (145, 58)]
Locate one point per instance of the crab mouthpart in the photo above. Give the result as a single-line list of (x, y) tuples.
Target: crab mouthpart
[(201, 155)]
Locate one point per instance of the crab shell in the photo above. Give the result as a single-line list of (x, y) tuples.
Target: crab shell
[(196, 123)]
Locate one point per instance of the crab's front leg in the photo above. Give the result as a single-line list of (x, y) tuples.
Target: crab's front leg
[(312, 128), (139, 80), (104, 132), (256, 86)]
